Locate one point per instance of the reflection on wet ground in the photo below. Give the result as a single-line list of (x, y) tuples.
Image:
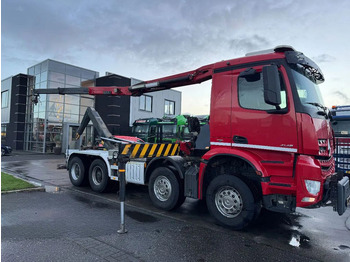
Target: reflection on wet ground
[(343, 247), (19, 167), (284, 227), (141, 217), (307, 230), (270, 229), (93, 203)]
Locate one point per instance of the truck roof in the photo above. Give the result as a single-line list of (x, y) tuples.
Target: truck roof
[(341, 113), (269, 54)]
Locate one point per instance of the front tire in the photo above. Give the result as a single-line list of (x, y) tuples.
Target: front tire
[(231, 202), (77, 174), (98, 176), (165, 190)]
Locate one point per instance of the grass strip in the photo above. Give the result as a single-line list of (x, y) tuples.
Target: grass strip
[(9, 183)]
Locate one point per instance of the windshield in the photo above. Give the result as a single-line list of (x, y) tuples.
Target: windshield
[(341, 128), (140, 129), (308, 90), (169, 130)]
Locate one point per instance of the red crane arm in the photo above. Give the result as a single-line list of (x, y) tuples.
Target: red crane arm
[(197, 76)]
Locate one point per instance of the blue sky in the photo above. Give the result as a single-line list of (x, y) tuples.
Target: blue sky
[(151, 39)]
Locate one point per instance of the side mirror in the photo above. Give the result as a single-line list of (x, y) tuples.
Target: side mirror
[(272, 85)]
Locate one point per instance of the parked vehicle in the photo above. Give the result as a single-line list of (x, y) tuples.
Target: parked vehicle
[(271, 142), (162, 130), (5, 150), (341, 127)]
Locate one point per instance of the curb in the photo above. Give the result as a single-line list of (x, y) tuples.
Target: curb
[(34, 189)]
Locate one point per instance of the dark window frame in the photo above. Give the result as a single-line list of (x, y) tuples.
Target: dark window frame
[(145, 107), (169, 101), (283, 87), (7, 99)]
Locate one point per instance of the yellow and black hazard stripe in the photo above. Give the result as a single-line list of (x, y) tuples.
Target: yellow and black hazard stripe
[(150, 150)]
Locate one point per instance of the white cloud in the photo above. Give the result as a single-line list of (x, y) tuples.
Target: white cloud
[(151, 39)]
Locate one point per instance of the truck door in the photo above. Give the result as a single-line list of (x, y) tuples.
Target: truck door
[(152, 134), (257, 126)]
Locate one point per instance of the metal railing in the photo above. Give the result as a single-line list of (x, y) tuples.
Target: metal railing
[(342, 155)]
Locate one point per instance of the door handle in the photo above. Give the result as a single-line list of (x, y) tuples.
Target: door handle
[(240, 140)]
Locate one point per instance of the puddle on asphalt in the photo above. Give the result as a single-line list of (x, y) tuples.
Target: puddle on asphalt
[(16, 164), (141, 217), (91, 203), (52, 189), (343, 247), (285, 227)]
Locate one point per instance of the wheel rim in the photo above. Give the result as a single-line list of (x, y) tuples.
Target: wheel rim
[(229, 202), (76, 171), (97, 175), (162, 188)]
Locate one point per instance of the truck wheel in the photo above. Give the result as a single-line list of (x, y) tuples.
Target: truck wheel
[(165, 190), (77, 173), (231, 202), (98, 176)]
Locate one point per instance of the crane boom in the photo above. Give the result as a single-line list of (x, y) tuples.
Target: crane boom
[(196, 76)]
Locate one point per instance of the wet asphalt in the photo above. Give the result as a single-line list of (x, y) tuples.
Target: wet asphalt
[(65, 223)]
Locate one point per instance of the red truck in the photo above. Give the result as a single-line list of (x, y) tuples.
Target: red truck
[(271, 142)]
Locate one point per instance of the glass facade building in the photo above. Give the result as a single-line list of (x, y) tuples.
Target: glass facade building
[(51, 123)]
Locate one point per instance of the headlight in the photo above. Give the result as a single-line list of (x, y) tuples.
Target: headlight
[(115, 154), (313, 186)]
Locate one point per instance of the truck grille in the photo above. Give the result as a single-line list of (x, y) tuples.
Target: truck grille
[(325, 147), (325, 157), (327, 165)]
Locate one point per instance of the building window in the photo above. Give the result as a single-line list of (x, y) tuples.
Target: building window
[(146, 103), (169, 108), (4, 99)]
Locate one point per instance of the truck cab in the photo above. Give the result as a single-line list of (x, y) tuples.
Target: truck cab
[(146, 129), (341, 127), (269, 127), (162, 130)]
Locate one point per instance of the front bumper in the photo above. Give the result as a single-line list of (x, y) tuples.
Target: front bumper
[(336, 192)]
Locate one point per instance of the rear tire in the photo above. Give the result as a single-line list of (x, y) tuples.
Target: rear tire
[(98, 176), (165, 190), (77, 174), (231, 202)]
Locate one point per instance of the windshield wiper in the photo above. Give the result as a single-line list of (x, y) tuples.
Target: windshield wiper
[(317, 104), (321, 113)]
